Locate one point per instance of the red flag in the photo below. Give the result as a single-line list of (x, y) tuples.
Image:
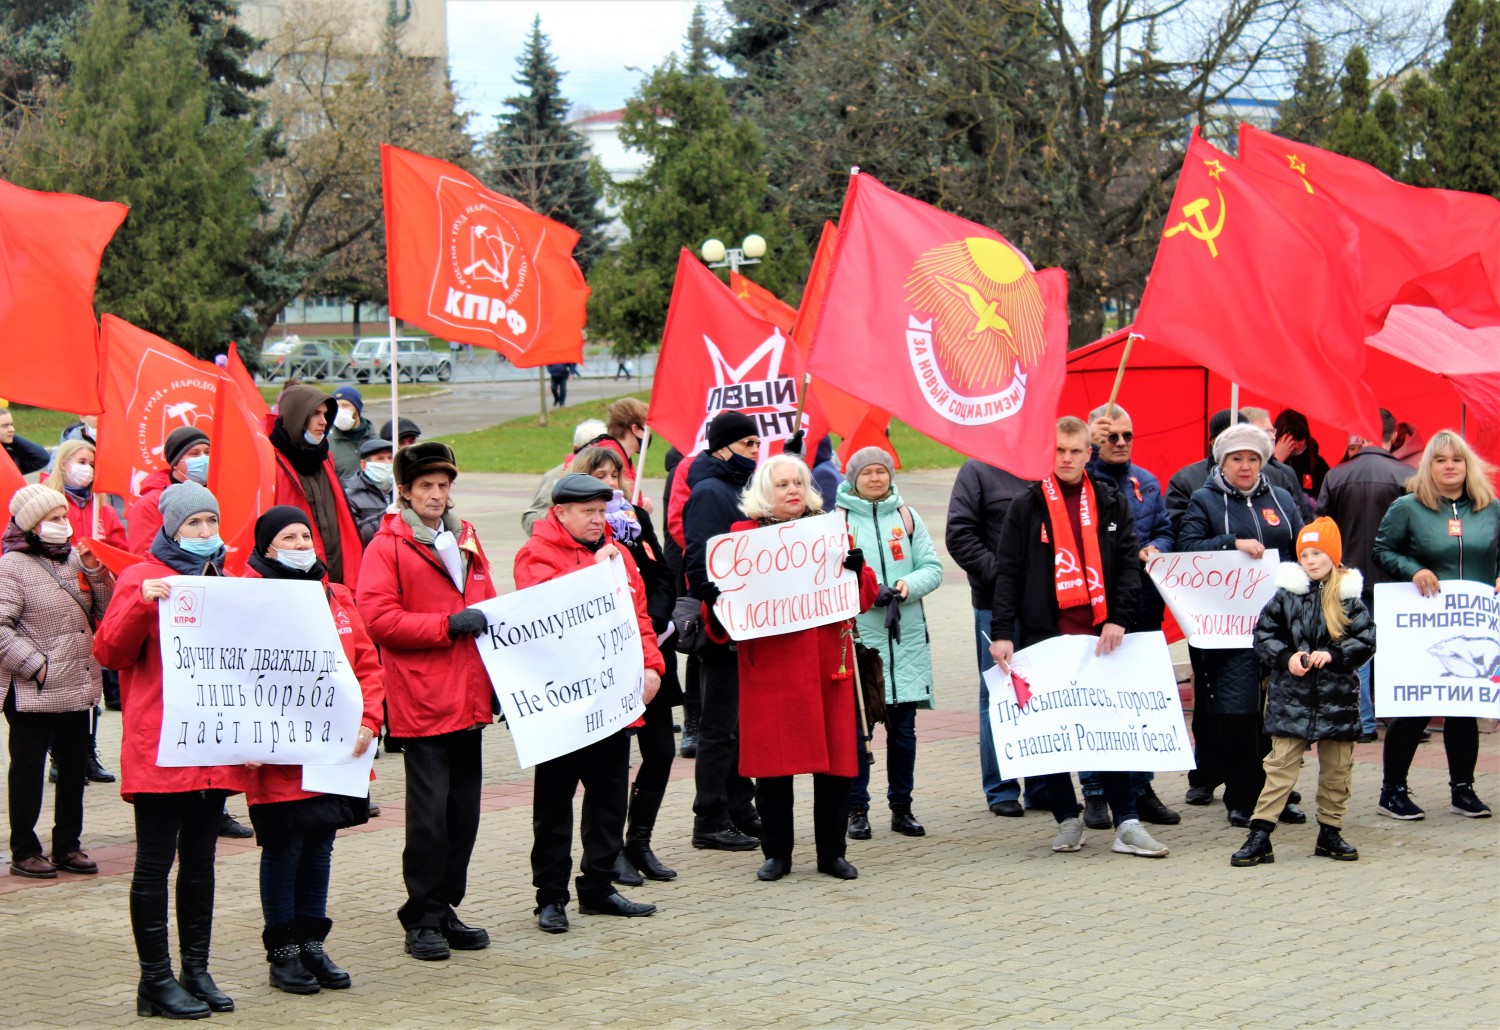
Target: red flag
[(1259, 280), (115, 559), (1405, 232), (242, 463), (763, 302), (717, 355), (945, 325), (151, 387), (50, 246), (470, 265)]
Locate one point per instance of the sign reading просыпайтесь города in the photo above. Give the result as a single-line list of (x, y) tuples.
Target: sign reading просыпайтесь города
[(1437, 655), (783, 577)]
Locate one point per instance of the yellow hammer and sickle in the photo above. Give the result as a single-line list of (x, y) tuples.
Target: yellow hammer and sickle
[(1201, 231)]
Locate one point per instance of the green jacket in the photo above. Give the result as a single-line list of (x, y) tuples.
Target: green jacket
[(1413, 537), (343, 447), (880, 532)]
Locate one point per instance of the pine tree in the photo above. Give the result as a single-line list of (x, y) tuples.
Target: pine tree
[(1308, 115), (1466, 142), (1357, 130), (536, 157)]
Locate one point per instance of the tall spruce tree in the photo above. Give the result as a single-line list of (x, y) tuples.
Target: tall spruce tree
[(539, 159), (1357, 131), (1466, 141), (1309, 112)]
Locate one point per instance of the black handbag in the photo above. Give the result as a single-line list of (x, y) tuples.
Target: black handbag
[(687, 618), (871, 683)]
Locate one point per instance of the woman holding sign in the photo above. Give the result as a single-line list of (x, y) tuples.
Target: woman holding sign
[(295, 827), (1446, 527), (177, 809), (797, 694), (1237, 509)]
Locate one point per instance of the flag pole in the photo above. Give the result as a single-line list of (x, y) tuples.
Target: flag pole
[(802, 403), (541, 394), (640, 468), (1114, 392), (1234, 403), (395, 376)]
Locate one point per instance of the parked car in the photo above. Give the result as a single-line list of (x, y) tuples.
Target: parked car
[(295, 358), (371, 359)]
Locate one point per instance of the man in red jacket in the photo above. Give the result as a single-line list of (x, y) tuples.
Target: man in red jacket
[(422, 572), (575, 536)]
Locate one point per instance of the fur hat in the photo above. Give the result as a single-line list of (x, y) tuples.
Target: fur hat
[(1322, 534), (180, 501), (1241, 436), (32, 503), (421, 458)]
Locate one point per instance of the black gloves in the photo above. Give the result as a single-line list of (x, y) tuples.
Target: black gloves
[(794, 445), (893, 620), (469, 622), (885, 597), (854, 560), (708, 592)]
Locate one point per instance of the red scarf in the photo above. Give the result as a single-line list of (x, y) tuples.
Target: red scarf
[(1076, 585)]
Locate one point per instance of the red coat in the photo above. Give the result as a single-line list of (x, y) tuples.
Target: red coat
[(678, 501), (111, 529), (127, 641), (289, 491), (272, 783), (145, 515), (433, 684), (796, 715), (552, 552)]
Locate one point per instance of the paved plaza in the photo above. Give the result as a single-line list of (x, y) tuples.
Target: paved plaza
[(977, 924)]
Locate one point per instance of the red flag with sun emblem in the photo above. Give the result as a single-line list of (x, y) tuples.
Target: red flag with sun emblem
[(470, 265), (947, 326)]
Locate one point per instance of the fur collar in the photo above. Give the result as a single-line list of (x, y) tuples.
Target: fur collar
[(1291, 578)]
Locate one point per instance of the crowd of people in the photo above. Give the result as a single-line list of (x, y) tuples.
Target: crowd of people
[(371, 518)]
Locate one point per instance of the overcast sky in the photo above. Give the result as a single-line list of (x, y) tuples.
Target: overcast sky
[(595, 43)]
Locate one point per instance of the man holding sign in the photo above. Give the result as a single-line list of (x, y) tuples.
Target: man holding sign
[(1068, 563), (575, 536)]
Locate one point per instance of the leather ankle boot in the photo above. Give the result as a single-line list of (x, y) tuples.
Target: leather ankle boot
[(159, 993), (903, 822), (1331, 844), (689, 732), (859, 822), (1257, 848), (625, 873), (285, 956), (644, 805), (311, 933)]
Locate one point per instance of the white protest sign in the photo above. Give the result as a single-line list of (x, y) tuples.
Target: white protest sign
[(253, 671), (785, 577), (565, 660), (1215, 596), (1437, 655), (351, 779), (1118, 712)]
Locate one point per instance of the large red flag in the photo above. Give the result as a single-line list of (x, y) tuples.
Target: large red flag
[(470, 265), (151, 387), (1259, 280), (763, 302), (717, 355), (1447, 239), (50, 246), (947, 326), (242, 463)]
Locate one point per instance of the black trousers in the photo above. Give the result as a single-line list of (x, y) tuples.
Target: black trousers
[(1064, 802), (1460, 742), (184, 827), (604, 770), (658, 746), (443, 778), (1209, 772), (1239, 746), (724, 796), (30, 734), (774, 799)]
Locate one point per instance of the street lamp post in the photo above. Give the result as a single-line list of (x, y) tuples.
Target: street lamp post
[(749, 252)]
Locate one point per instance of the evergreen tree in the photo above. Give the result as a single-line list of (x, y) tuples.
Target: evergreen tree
[(1466, 141), (1309, 113), (698, 46), (132, 125), (1357, 131), (536, 157)]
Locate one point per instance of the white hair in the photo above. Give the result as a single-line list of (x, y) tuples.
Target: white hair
[(588, 430), (1099, 412), (759, 497)]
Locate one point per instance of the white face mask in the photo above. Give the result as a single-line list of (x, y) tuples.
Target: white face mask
[(313, 438), (54, 532), (299, 560), (345, 420), (379, 473), (78, 476)]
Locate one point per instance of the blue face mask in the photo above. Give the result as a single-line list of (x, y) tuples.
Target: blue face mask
[(197, 468), (201, 547)]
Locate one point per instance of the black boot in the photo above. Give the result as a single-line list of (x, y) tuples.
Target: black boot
[(625, 873), (195, 928), (311, 933), (1331, 844), (689, 731), (859, 822), (644, 805), (903, 822), (159, 993), (1257, 849), (285, 956)]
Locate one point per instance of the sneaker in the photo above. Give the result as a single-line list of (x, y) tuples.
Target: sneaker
[(1151, 809), (1199, 796), (232, 828), (1132, 839), (1396, 802), (1069, 835), (1096, 813), (1467, 803)]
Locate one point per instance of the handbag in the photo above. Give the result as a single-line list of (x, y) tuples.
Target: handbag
[(687, 619), (871, 682)]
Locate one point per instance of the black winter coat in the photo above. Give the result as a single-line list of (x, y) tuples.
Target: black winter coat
[(1324, 703), (713, 505), (982, 495), (1025, 585)]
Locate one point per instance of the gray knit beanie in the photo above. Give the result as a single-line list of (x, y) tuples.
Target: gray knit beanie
[(180, 501), (863, 458)]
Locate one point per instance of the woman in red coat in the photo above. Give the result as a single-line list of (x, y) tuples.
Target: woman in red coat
[(797, 695), (306, 478), (176, 809), (294, 827)]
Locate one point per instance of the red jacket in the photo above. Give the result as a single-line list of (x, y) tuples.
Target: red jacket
[(272, 783), (433, 684), (797, 696), (289, 491), (111, 530), (127, 641), (552, 552), (678, 501), (145, 515)]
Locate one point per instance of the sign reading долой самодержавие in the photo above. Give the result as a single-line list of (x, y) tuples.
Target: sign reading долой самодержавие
[(1437, 655)]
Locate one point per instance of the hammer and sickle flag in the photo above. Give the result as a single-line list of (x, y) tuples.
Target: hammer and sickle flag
[(1259, 280)]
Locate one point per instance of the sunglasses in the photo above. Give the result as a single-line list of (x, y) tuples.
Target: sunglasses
[(1124, 437)]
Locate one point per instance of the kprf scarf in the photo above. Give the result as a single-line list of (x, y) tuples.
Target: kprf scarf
[(1077, 584)]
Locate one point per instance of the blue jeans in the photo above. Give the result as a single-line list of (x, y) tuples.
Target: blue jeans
[(995, 789), (900, 759), (1064, 803), (1093, 783), (1366, 698), (294, 876)]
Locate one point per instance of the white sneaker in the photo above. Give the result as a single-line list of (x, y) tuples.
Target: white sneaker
[(1132, 839), (1069, 835)]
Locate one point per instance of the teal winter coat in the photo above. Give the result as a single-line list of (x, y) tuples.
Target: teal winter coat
[(880, 532)]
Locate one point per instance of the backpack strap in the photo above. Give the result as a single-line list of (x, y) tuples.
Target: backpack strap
[(906, 520)]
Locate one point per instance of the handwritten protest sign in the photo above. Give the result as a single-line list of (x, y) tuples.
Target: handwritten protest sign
[(566, 661), (1437, 655), (785, 577), (1216, 596), (1118, 712), (252, 671)]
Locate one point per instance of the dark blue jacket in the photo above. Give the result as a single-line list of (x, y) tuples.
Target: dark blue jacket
[(713, 505), (1153, 528)]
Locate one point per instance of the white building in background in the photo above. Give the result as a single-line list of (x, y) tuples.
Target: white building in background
[(620, 163)]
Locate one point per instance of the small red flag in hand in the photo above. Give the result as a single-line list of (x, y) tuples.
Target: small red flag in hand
[(1023, 689), (115, 559)]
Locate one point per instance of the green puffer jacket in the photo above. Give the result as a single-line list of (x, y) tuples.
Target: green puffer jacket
[(880, 532), (1413, 537)]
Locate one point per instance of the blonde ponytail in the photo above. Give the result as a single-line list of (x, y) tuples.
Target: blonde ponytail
[(1333, 604)]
